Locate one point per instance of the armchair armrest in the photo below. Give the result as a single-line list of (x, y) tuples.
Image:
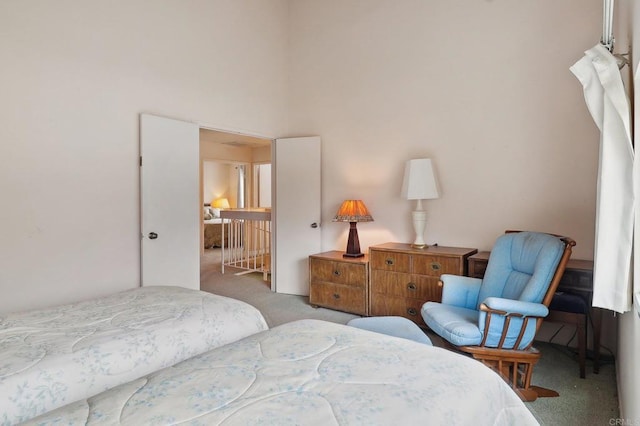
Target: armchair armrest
[(515, 307), (460, 291), (509, 324)]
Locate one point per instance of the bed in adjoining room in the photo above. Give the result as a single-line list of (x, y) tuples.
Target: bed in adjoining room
[(310, 372), (213, 233), (51, 357)]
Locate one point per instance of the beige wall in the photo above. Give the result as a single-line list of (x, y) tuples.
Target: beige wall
[(215, 181), (220, 152), (230, 154), (75, 75), (481, 87), (261, 155)]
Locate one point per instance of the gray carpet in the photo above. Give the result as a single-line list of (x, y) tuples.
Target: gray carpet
[(589, 401)]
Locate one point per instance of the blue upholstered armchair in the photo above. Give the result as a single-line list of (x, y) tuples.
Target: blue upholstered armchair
[(496, 318)]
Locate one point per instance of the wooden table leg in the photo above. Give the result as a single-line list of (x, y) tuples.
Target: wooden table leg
[(596, 317), (582, 343)]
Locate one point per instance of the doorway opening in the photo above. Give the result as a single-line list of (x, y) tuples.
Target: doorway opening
[(235, 173)]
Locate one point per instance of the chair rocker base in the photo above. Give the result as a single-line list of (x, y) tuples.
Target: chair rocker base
[(515, 367)]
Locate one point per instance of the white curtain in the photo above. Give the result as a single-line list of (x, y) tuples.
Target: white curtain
[(241, 186), (608, 104)]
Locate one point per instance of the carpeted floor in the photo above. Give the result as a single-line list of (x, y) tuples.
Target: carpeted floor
[(591, 401)]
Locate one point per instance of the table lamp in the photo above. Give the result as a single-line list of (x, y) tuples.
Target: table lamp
[(220, 203), (353, 211), (419, 184)]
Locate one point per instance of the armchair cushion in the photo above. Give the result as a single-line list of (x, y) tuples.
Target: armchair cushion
[(457, 325), (521, 265), (460, 291)]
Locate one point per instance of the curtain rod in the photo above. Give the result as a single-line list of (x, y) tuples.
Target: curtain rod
[(607, 24), (607, 39)]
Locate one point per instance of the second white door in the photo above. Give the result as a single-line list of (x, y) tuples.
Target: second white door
[(296, 212)]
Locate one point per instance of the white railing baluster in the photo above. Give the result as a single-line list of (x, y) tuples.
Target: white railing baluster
[(249, 243)]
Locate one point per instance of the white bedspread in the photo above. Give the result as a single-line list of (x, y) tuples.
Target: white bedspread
[(217, 220), (51, 357), (310, 373)]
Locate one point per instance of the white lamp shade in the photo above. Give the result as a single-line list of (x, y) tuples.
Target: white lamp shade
[(419, 180)]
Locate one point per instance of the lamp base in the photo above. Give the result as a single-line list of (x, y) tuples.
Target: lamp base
[(353, 255), (419, 221), (353, 244), (419, 246)]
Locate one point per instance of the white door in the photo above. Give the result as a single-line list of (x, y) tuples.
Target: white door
[(170, 202), (296, 212)]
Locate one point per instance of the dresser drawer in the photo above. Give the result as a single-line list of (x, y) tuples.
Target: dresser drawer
[(338, 282), (403, 278), (409, 286), (384, 305), (338, 272), (341, 297), (390, 261), (436, 265)]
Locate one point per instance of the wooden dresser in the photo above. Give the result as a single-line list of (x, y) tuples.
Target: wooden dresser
[(404, 278), (338, 282)]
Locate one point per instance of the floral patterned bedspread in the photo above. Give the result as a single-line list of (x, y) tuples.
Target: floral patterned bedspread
[(52, 357), (309, 372)]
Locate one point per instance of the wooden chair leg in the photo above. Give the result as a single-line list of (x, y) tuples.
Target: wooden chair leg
[(515, 367), (596, 315)]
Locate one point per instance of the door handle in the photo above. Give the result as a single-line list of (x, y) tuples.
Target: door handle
[(314, 225), (153, 235)]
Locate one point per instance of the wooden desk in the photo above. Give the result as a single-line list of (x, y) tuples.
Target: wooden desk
[(577, 279)]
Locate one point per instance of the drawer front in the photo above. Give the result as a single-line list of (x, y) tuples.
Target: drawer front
[(339, 297), (576, 280), (338, 272), (382, 305), (410, 286), (477, 268), (390, 261), (436, 265)]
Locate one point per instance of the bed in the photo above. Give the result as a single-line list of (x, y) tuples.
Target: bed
[(213, 232), (213, 223), (309, 372), (51, 357)]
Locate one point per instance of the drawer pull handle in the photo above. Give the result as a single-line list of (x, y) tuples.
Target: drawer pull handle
[(336, 273), (336, 296), (411, 286), (389, 262), (412, 312), (435, 266)]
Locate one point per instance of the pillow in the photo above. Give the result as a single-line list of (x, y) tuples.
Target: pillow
[(215, 212), (207, 216)]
